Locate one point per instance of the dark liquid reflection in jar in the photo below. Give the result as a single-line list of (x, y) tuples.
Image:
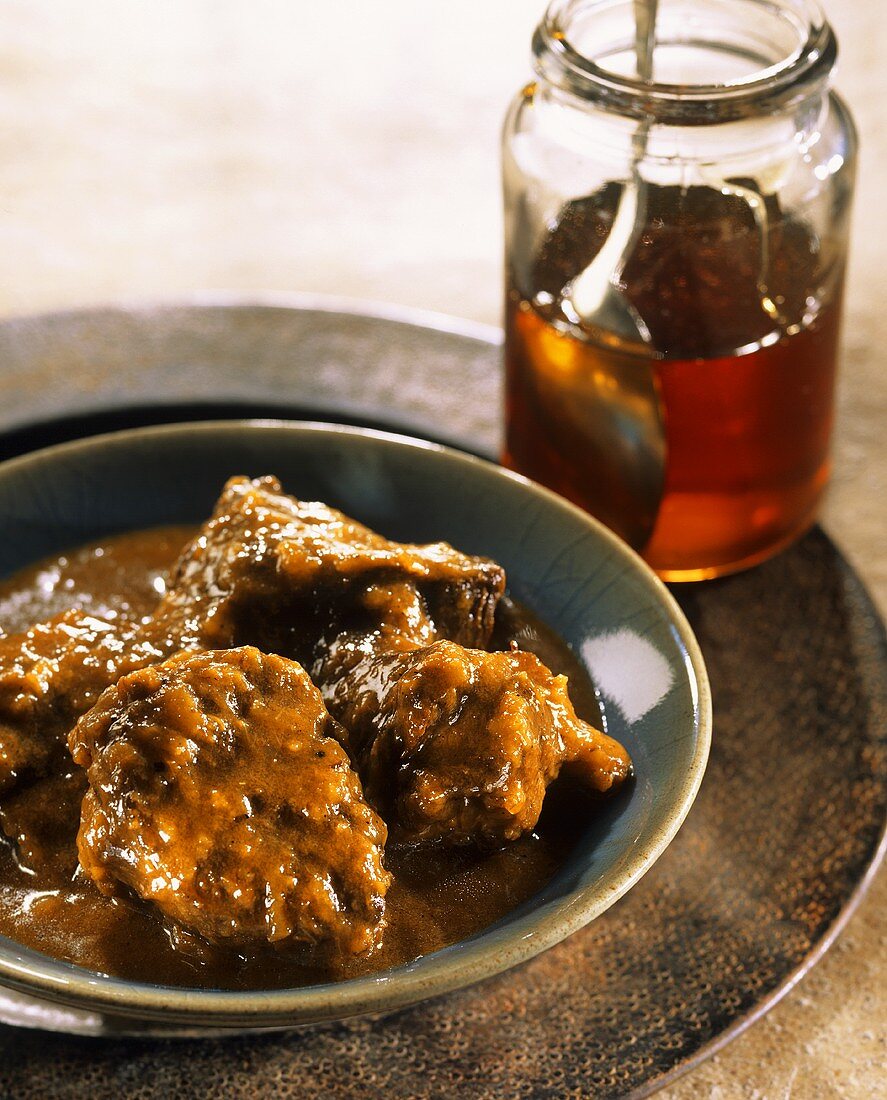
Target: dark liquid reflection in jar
[(744, 369)]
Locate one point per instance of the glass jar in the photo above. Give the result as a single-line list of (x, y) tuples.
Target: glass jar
[(675, 253)]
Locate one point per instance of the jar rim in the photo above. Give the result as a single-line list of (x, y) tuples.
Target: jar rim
[(780, 85)]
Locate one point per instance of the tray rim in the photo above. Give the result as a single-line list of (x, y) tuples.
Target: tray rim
[(492, 336), (294, 300)]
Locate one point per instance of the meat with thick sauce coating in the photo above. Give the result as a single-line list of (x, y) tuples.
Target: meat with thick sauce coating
[(50, 675), (221, 789), (458, 745), (276, 572), (217, 793)]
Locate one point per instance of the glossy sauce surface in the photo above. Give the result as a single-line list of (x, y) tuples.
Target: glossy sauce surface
[(439, 896)]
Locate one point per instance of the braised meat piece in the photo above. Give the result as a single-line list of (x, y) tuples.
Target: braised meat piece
[(276, 572), (459, 745), (217, 793), (51, 674)]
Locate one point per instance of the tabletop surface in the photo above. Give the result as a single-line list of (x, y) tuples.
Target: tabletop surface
[(150, 150)]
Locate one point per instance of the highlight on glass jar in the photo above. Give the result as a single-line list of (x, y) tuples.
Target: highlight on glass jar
[(678, 181)]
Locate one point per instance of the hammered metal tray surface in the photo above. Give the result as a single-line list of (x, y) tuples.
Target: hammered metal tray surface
[(785, 831)]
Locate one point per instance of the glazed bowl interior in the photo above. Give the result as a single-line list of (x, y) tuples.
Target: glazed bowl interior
[(570, 571)]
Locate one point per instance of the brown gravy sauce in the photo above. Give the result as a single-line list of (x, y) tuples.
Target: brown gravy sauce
[(439, 896)]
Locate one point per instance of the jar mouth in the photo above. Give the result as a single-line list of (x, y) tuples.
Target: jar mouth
[(714, 60)]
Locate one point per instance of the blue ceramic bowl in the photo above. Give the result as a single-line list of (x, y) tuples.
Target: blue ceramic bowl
[(579, 578)]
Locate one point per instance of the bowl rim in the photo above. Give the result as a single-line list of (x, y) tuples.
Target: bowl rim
[(430, 975)]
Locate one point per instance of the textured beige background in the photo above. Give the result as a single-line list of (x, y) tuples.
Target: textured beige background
[(155, 148)]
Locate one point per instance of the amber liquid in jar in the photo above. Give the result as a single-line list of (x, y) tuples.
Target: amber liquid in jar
[(744, 333)]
